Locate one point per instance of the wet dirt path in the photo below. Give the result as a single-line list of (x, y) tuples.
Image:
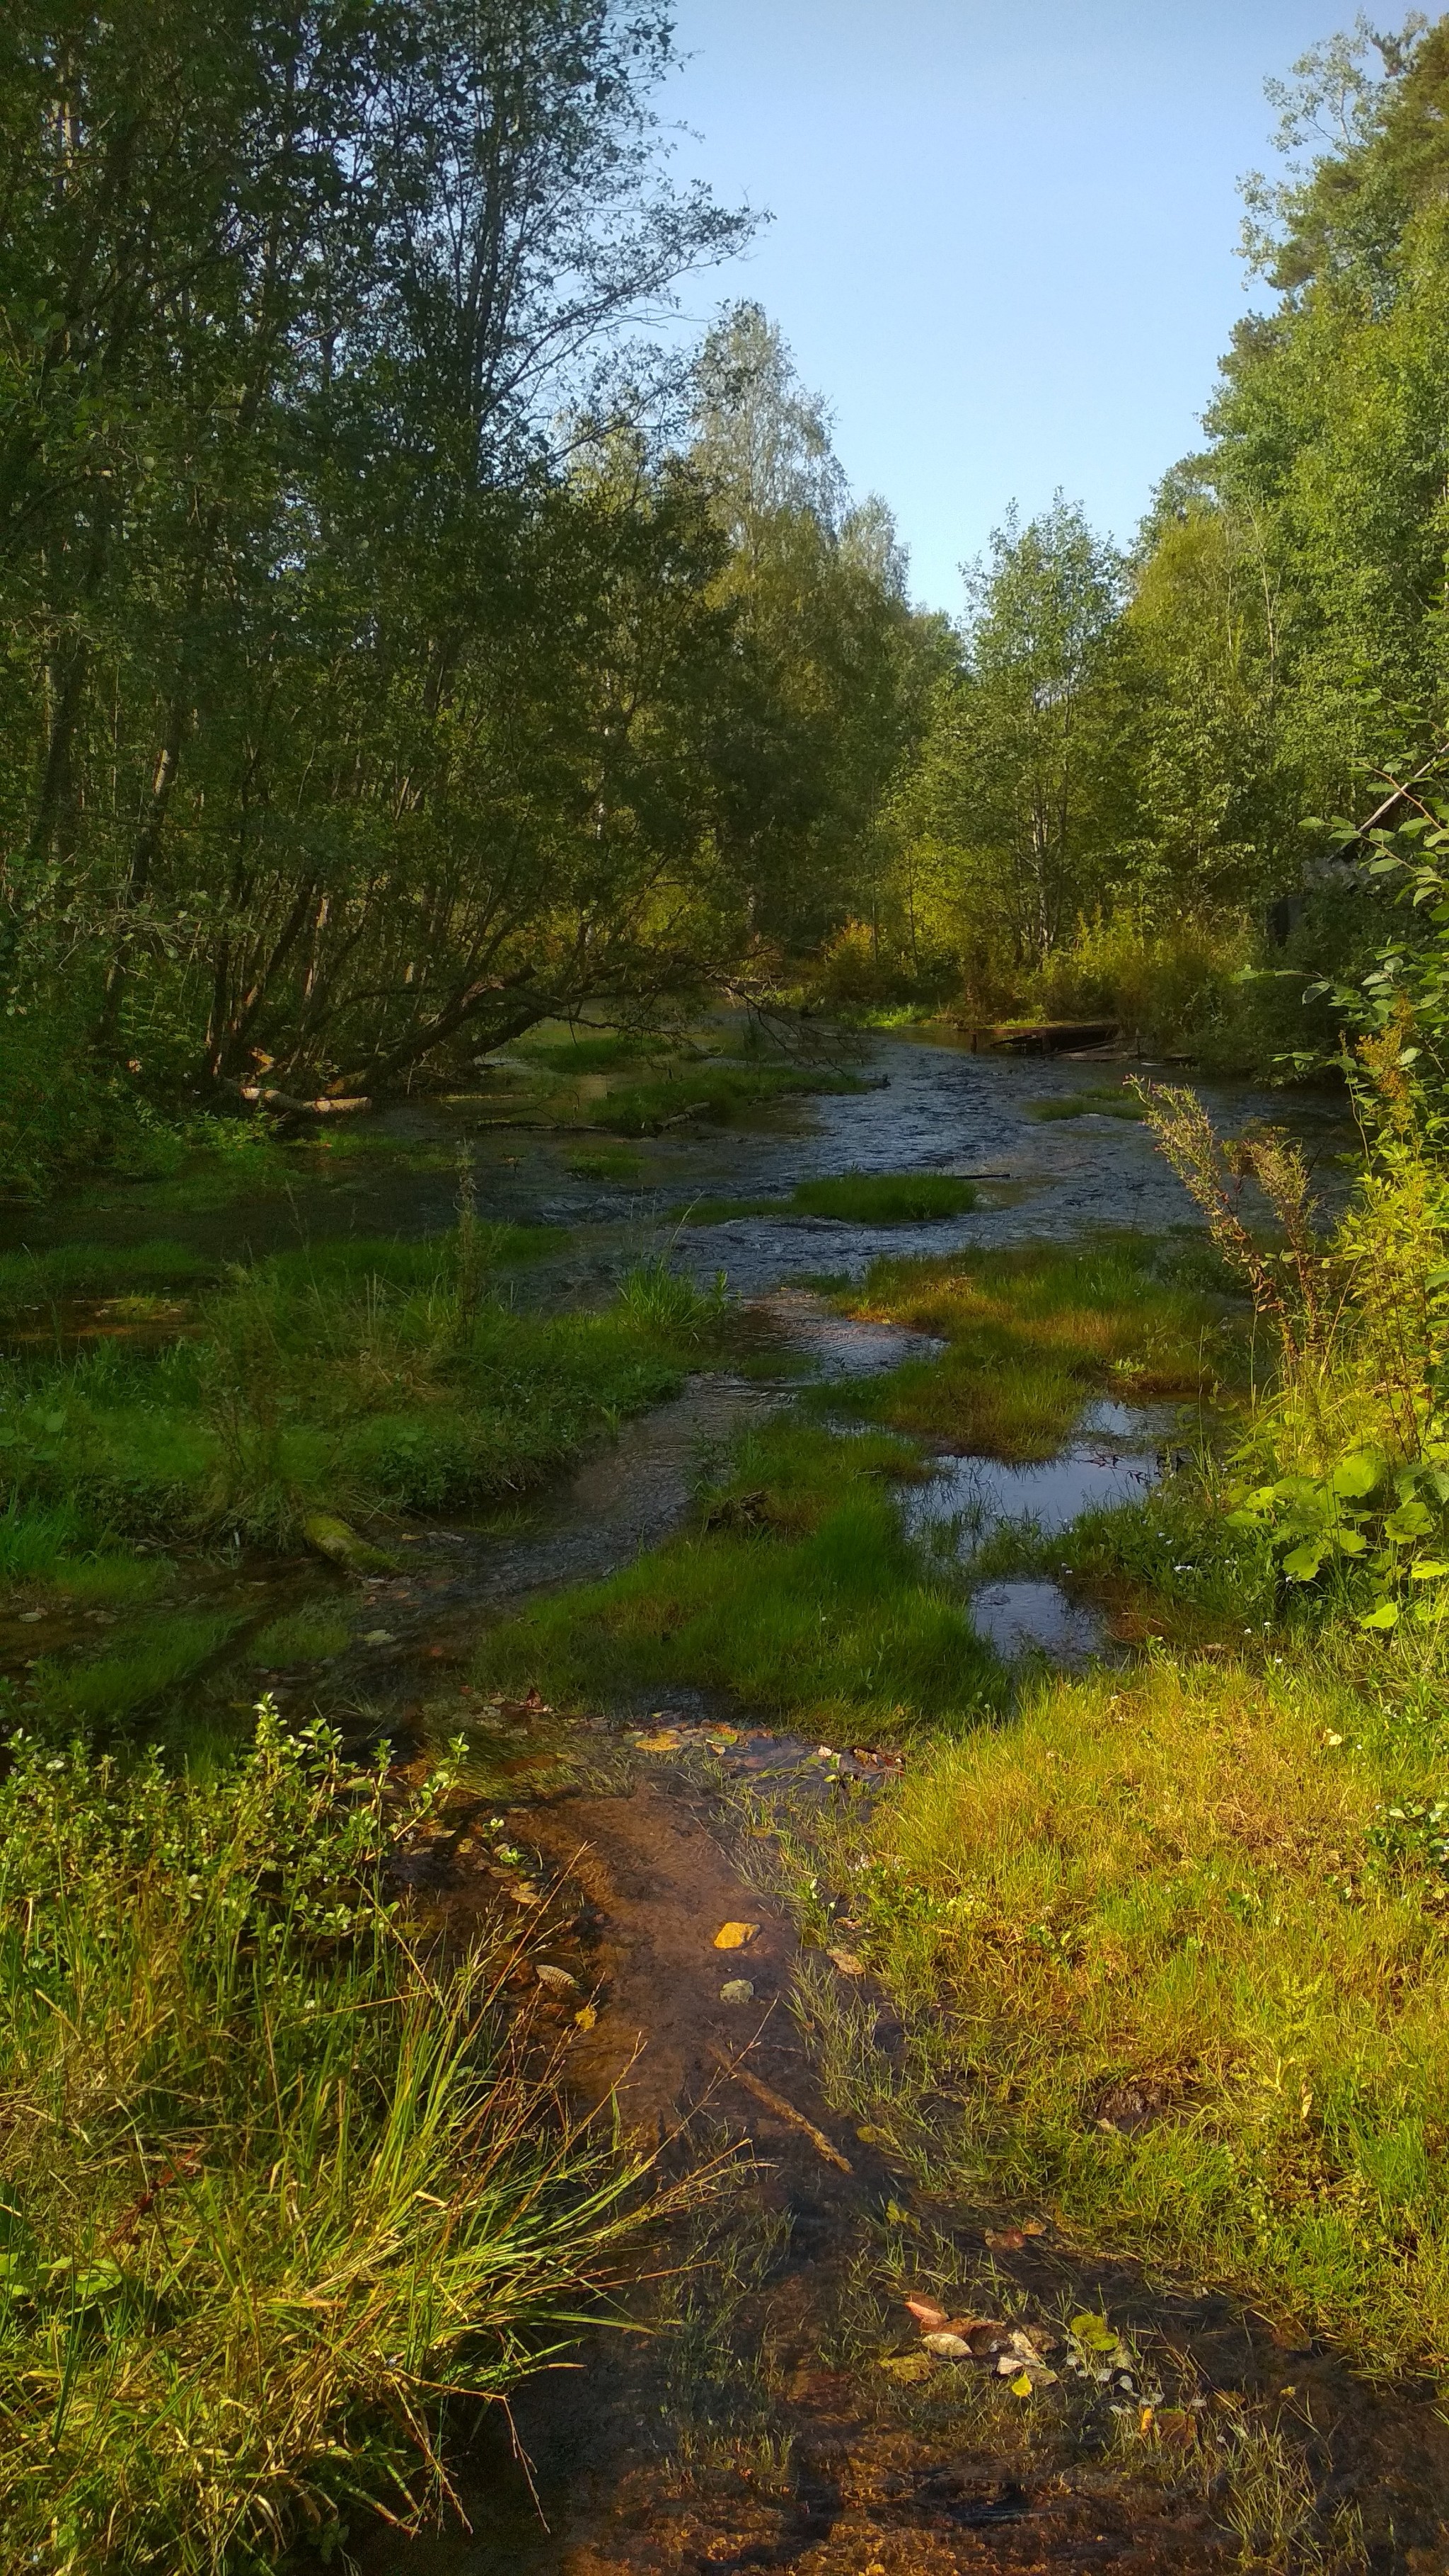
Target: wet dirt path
[(781, 2442)]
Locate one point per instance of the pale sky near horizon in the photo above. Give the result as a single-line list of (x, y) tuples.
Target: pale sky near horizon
[(1004, 243)]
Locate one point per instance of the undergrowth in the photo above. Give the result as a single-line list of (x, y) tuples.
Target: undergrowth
[(274, 2186)]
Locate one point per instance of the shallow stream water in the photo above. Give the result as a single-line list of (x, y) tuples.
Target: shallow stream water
[(640, 1844)]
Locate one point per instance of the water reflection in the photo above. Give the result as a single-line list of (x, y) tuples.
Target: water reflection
[(1021, 1619)]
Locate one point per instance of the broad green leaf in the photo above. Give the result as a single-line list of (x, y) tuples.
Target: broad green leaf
[(1386, 1616), (1357, 1474)]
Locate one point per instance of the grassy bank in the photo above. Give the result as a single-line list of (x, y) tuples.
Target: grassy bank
[(1174, 1943), (1170, 1940), (1031, 1333), (272, 2191)]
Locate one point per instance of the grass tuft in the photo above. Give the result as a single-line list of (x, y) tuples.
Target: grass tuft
[(851, 1198), (1031, 1332), (272, 2187), (1086, 1104)]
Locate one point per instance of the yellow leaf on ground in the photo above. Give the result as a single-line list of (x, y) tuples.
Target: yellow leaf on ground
[(586, 2016), (667, 1740), (735, 1936)]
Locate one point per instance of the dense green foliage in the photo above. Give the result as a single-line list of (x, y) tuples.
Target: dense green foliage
[(1113, 784), (377, 676), (396, 653)]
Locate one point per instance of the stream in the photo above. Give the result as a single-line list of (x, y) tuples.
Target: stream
[(762, 2437)]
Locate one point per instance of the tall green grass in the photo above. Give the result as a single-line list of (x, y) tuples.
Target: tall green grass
[(274, 2183), (345, 1379), (1175, 1943)]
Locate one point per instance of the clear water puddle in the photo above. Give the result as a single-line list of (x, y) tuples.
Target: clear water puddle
[(1025, 1619), (1115, 1457)]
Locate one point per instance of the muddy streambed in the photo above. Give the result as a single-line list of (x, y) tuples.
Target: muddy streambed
[(753, 2426)]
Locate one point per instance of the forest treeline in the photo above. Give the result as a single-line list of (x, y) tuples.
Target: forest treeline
[(407, 638)]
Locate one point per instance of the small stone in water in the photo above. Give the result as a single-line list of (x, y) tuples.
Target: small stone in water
[(737, 1990)]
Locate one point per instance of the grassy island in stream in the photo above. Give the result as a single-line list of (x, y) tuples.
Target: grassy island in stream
[(797, 1589)]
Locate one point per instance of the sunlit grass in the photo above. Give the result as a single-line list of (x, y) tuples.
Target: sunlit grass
[(272, 2184), (1179, 1901), (1030, 1333)]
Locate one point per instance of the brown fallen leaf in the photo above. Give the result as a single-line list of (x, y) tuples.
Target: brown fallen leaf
[(847, 1962), (558, 1979), (950, 2347), (735, 1936), (926, 2312), (1005, 2240)]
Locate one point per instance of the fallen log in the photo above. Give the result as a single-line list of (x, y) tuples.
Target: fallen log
[(1041, 1037), (262, 1096)]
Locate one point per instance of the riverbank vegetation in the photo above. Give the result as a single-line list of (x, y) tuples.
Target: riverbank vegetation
[(275, 2185), (389, 673), (415, 682), (1172, 1938), (359, 1378)]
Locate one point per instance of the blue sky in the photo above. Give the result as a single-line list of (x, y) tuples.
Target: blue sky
[(1003, 243)]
